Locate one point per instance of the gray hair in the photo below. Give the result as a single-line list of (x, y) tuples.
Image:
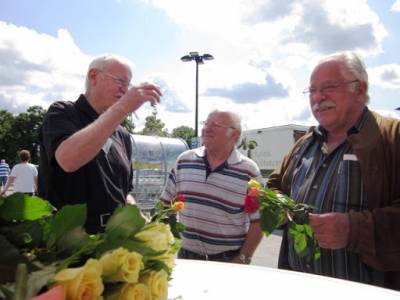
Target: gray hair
[(351, 64), (102, 61)]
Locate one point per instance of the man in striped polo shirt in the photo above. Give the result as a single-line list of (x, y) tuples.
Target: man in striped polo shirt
[(4, 172), (348, 168), (213, 180)]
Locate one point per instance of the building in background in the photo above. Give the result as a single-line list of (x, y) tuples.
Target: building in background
[(272, 144)]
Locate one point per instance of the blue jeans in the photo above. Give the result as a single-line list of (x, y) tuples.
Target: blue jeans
[(3, 180)]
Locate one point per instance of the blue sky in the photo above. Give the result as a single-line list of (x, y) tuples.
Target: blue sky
[(264, 52)]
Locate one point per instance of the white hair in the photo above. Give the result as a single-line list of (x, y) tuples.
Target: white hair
[(235, 121), (102, 61), (351, 64)]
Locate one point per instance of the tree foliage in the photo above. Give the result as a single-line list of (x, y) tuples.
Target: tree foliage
[(184, 132), (248, 145), (19, 132), (128, 124), (154, 126)]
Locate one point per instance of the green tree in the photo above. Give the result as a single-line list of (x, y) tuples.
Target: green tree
[(154, 126), (184, 132), (6, 123), (248, 145), (20, 132), (128, 124)]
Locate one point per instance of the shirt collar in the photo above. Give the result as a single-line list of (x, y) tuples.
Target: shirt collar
[(321, 133), (234, 157), (83, 105)]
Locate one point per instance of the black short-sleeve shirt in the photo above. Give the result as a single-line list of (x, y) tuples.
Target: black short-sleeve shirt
[(103, 183)]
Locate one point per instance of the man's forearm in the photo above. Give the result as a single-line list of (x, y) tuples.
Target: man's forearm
[(83, 146), (253, 239)]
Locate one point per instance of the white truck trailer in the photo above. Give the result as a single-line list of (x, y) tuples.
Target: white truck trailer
[(273, 143)]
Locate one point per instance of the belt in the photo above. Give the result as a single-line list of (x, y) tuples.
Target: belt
[(222, 256)]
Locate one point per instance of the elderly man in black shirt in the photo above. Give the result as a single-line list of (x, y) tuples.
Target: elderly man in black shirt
[(85, 155)]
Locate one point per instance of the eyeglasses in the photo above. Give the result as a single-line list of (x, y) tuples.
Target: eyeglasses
[(327, 88), (215, 125), (120, 81)]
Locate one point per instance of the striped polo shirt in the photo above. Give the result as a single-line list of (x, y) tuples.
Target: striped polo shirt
[(4, 169), (214, 216), (332, 183)]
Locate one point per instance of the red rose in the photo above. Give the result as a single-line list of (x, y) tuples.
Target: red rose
[(179, 198), (251, 204)]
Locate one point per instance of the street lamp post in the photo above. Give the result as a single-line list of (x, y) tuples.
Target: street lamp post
[(199, 59)]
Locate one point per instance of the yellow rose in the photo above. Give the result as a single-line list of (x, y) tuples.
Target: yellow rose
[(82, 283), (157, 282), (254, 184), (168, 259), (120, 265), (137, 291), (157, 236)]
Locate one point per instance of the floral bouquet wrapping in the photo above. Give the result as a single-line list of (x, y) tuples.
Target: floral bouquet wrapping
[(277, 209), (48, 255)]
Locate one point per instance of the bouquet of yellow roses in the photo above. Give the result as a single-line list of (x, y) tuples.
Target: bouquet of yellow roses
[(43, 251)]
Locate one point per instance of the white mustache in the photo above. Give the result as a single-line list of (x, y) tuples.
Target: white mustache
[(322, 105)]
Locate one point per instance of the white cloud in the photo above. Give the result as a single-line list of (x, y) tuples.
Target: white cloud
[(387, 76), (253, 39), (38, 69), (396, 6), (258, 45)]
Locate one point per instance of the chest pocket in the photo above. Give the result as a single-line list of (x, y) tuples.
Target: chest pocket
[(349, 195)]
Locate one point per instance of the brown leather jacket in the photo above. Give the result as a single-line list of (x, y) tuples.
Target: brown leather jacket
[(374, 233)]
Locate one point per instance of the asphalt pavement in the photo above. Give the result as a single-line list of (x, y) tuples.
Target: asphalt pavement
[(267, 252)]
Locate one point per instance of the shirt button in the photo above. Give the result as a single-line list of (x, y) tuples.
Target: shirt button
[(324, 165), (315, 186)]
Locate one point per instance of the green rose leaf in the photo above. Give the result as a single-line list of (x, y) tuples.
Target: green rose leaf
[(270, 219), (74, 239), (28, 234), (308, 230), (124, 222), (66, 219), (130, 244), (300, 242), (9, 259), (21, 207)]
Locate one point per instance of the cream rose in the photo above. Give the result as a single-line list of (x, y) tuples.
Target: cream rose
[(157, 236), (137, 291), (157, 282), (120, 265), (166, 258), (82, 283)]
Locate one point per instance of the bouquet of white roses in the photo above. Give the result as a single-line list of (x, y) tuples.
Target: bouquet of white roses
[(49, 253)]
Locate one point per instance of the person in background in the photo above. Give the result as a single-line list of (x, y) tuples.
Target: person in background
[(348, 168), (23, 176), (213, 181), (85, 154), (4, 172)]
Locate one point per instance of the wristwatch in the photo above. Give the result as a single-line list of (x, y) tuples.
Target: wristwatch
[(245, 259)]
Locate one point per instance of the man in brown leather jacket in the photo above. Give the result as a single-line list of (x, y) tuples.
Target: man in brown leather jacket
[(348, 168)]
